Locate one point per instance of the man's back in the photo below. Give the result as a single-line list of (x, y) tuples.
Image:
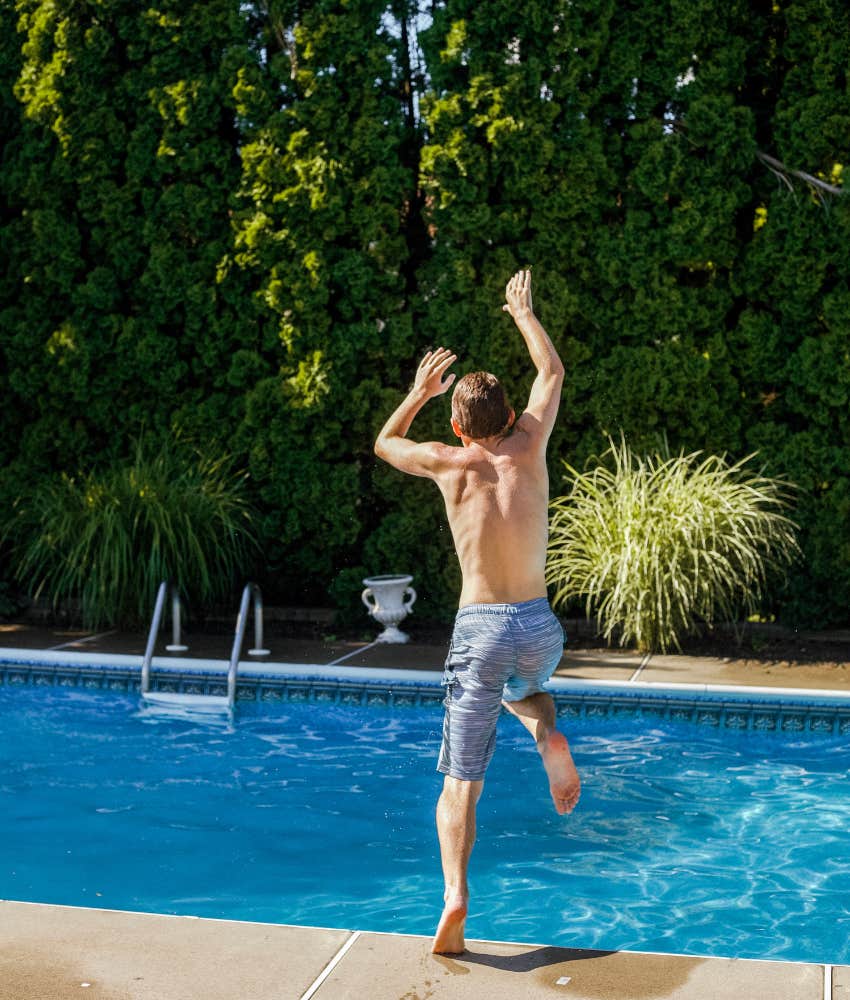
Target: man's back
[(496, 488), (496, 495)]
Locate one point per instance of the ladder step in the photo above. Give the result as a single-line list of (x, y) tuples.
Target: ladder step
[(194, 702)]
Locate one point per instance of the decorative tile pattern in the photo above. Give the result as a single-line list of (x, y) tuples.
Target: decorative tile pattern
[(739, 712), (568, 710), (820, 724)]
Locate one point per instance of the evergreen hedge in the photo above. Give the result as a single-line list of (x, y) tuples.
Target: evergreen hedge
[(250, 220)]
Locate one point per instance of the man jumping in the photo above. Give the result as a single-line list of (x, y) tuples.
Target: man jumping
[(506, 641)]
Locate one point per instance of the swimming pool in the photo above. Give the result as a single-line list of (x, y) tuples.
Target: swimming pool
[(686, 840)]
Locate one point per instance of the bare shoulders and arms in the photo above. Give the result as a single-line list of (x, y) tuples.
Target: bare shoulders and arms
[(506, 642)]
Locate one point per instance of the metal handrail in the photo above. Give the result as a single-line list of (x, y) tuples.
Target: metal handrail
[(176, 645), (152, 633), (250, 590), (258, 649)]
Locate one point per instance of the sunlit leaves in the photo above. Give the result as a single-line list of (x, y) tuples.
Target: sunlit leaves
[(658, 545)]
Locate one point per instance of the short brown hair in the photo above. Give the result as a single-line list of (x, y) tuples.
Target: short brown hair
[(480, 406)]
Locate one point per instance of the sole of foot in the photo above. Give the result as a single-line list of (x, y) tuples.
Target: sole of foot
[(564, 781)]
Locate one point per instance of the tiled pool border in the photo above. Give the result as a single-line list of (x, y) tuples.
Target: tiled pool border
[(758, 709)]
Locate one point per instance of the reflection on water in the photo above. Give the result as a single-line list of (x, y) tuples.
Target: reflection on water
[(685, 840)]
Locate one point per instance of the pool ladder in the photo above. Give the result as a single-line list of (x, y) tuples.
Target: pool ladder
[(204, 702)]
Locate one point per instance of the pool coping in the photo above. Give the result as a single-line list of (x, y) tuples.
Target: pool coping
[(254, 670)]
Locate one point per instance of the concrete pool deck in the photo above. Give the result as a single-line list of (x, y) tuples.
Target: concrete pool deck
[(58, 953)]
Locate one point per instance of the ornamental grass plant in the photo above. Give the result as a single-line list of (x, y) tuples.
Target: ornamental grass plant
[(107, 538), (659, 545)]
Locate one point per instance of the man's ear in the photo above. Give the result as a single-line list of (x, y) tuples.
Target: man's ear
[(511, 418), (456, 428)]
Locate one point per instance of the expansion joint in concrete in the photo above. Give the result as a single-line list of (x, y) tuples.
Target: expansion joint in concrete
[(313, 988)]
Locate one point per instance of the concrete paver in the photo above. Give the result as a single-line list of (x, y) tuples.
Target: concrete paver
[(599, 664), (586, 664), (680, 669), (18, 636), (50, 952), (412, 656), (391, 967), (841, 982)]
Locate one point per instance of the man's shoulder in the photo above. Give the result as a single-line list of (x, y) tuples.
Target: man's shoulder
[(528, 436), (443, 457)]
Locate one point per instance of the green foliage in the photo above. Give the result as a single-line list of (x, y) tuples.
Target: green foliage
[(658, 545), (126, 160), (108, 538), (326, 173), (251, 219)]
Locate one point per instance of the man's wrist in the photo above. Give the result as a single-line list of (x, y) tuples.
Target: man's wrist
[(418, 395)]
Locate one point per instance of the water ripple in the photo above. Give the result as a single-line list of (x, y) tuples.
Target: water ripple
[(681, 842)]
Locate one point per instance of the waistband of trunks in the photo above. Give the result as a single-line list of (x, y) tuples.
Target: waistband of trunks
[(503, 610)]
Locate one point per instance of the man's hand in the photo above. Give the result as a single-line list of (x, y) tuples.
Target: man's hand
[(392, 444), (518, 295), (539, 416), (429, 377)]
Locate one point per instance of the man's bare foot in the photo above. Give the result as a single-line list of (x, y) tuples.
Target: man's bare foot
[(564, 782), (449, 937)]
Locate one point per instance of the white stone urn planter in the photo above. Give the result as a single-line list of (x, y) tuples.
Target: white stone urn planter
[(389, 599)]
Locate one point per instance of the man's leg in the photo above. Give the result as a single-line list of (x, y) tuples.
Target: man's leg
[(537, 714), (456, 830)]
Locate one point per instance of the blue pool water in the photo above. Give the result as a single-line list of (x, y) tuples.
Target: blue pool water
[(685, 840)]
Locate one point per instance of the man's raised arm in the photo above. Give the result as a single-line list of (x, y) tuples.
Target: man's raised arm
[(391, 444), (545, 393)]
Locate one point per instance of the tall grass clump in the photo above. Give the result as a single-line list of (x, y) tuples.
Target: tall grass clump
[(107, 538), (658, 545)]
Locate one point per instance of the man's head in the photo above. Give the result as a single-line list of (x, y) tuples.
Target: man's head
[(480, 407)]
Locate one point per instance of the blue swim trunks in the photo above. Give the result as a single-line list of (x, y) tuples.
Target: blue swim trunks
[(498, 651)]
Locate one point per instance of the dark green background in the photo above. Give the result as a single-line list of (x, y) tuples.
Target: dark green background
[(248, 221)]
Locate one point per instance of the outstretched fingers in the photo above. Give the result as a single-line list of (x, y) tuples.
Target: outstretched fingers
[(518, 291), (432, 368)]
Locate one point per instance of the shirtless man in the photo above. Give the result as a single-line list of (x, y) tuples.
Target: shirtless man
[(506, 641)]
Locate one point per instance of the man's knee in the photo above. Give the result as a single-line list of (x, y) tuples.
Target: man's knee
[(460, 790)]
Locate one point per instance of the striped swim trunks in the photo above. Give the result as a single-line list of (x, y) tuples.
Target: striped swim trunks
[(498, 651)]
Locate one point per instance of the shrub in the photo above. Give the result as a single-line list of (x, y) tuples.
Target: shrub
[(657, 544), (108, 538)]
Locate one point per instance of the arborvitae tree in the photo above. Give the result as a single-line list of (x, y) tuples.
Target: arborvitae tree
[(574, 140), (252, 219), (123, 172), (11, 140), (791, 342), (327, 217)]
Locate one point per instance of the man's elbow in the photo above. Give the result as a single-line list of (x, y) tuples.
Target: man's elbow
[(380, 449)]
